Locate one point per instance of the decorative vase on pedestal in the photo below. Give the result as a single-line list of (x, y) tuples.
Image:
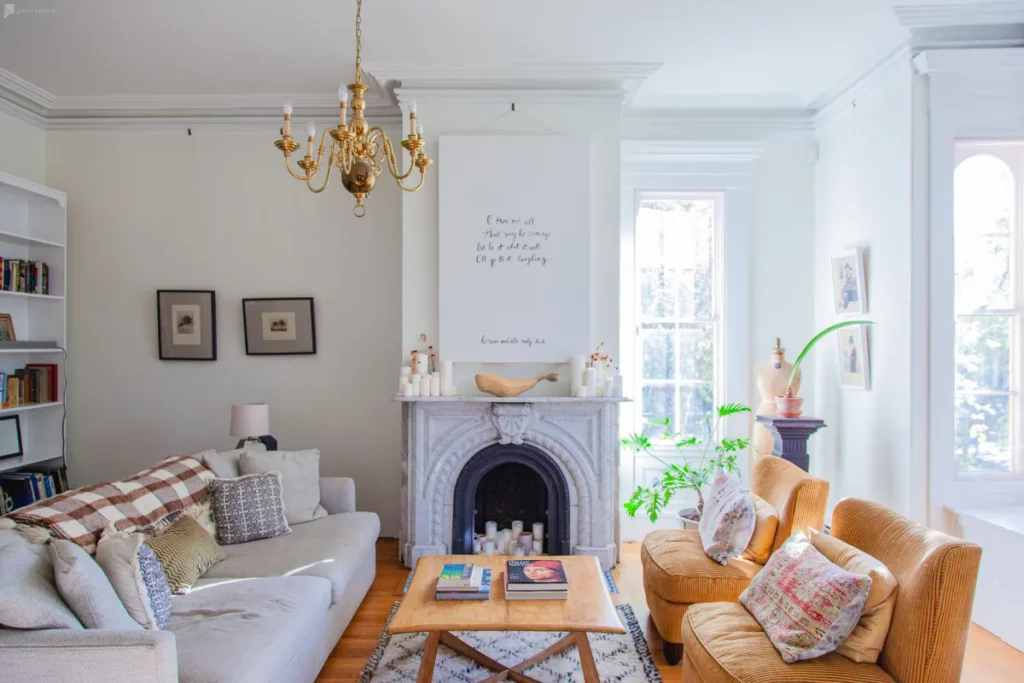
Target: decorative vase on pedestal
[(771, 382)]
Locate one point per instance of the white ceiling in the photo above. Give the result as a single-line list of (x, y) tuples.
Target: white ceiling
[(715, 53)]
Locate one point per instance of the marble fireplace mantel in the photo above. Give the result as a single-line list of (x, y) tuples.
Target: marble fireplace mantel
[(442, 434)]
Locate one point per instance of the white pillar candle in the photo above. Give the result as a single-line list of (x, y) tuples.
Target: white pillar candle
[(617, 387), (581, 391), (402, 381), (405, 371), (526, 539), (415, 383), (422, 366), (579, 364), (538, 530), (447, 378), (506, 536), (601, 370), (517, 528), (477, 546), (492, 529), (538, 547), (520, 551), (489, 548), (435, 385), (407, 389), (598, 388), (589, 378)]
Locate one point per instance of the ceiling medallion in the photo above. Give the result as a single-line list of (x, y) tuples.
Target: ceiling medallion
[(357, 149)]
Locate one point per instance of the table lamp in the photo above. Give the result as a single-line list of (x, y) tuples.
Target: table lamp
[(250, 422)]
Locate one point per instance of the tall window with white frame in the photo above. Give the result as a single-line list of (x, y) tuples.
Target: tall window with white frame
[(989, 262), (678, 309)]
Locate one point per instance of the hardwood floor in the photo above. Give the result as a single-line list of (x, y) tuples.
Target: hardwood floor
[(988, 659)]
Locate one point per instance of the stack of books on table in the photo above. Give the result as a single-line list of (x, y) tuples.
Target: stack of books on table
[(535, 580), (463, 582)]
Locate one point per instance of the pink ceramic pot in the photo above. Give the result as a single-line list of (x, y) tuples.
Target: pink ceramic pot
[(788, 406)]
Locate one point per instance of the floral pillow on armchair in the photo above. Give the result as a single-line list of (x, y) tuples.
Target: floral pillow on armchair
[(727, 523)]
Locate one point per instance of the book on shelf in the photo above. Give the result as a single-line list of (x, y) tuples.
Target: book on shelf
[(482, 591), (33, 484), (32, 277), (535, 576), (536, 595), (35, 383)]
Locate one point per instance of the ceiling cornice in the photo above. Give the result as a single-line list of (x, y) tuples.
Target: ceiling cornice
[(959, 14), (829, 107), (721, 151), (753, 124), (982, 61)]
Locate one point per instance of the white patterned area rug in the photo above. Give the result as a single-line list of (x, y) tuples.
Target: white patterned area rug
[(621, 658)]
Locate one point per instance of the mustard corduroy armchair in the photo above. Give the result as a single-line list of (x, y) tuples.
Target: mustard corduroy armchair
[(678, 574), (936, 574)]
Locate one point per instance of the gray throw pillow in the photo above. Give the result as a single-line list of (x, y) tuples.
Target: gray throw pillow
[(137, 577), (86, 589), (225, 464), (28, 594), (249, 508), (300, 477)]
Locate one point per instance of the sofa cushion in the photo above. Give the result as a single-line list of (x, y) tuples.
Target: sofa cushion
[(247, 630), (333, 547), (28, 594), (137, 577), (249, 508), (300, 477), (765, 525), (727, 523), (86, 589), (724, 644), (185, 551), (676, 568)]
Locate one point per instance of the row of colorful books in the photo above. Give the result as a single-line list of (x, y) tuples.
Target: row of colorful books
[(18, 489), (25, 276), (35, 383), (524, 580)]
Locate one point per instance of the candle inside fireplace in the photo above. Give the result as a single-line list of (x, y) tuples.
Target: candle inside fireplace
[(492, 529), (538, 531)]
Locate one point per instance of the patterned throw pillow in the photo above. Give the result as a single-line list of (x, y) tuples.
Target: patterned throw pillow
[(727, 522), (186, 551), (249, 508), (806, 605), (136, 575)]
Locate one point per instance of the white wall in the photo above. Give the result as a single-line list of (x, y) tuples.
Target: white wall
[(863, 198), (442, 116), (24, 149), (156, 210)]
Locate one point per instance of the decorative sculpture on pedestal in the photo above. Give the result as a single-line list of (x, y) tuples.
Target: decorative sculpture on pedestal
[(772, 381)]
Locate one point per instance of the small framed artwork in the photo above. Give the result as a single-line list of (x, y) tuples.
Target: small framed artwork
[(854, 366), (848, 282), (7, 329), (186, 324), (10, 437), (279, 327)]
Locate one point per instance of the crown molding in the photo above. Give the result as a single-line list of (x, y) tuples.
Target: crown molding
[(537, 82), (844, 97), (711, 124), (714, 151), (983, 61), (959, 14)]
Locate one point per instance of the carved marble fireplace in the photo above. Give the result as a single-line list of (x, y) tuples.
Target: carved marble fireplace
[(571, 443)]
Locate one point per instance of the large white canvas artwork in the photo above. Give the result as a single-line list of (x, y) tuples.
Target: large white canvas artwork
[(514, 248)]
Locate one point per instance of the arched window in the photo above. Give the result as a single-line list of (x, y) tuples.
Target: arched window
[(988, 300)]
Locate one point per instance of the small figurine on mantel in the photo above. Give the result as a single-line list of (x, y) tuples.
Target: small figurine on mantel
[(772, 381)]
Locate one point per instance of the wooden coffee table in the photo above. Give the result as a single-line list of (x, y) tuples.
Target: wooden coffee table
[(588, 609)]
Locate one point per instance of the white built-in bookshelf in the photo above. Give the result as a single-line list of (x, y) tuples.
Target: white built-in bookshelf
[(33, 227)]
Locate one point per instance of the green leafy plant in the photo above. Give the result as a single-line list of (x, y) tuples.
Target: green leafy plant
[(716, 456), (814, 340)]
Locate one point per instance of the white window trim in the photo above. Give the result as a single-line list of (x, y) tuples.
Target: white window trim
[(699, 166)]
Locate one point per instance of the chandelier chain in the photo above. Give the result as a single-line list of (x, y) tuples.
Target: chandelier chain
[(359, 39)]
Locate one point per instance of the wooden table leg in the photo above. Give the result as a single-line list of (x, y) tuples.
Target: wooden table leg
[(426, 674), (590, 674)]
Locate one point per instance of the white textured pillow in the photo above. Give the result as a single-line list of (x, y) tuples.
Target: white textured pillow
[(136, 575), (225, 465), (727, 523), (28, 594), (300, 479), (86, 589)]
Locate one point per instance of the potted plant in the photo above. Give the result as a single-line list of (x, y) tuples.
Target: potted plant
[(789, 405), (686, 476)]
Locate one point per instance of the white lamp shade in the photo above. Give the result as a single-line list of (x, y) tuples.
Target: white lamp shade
[(250, 419)]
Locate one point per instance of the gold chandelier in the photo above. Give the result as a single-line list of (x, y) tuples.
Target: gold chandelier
[(357, 149)]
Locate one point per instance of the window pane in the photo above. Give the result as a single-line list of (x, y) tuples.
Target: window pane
[(982, 440), (659, 402), (659, 349), (983, 214), (696, 404), (696, 353), (982, 272), (657, 292), (983, 353)]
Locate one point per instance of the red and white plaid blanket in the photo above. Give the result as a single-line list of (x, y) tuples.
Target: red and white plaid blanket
[(82, 514)]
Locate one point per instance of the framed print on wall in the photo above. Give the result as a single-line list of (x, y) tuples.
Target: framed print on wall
[(854, 366), (279, 327), (186, 324), (848, 282)]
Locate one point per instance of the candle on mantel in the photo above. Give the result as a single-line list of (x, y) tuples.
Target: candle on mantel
[(402, 383), (407, 387), (414, 385), (447, 380), (579, 364), (422, 366), (311, 129), (617, 388), (405, 371), (288, 118), (435, 384), (342, 105), (581, 391), (590, 381)]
